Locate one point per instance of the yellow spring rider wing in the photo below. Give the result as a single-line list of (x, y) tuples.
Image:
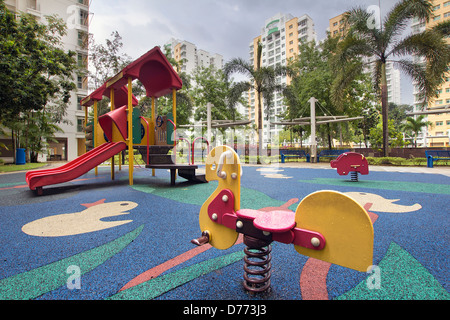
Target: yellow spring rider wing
[(222, 164)]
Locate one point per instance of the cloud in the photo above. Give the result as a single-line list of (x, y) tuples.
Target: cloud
[(224, 27)]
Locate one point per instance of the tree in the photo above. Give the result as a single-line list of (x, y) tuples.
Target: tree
[(416, 125), (261, 79), (33, 66), (185, 104), (106, 60), (395, 135), (369, 121), (36, 78), (386, 44), (398, 113), (211, 86), (312, 76)]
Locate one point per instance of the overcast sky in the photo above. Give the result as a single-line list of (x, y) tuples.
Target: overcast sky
[(218, 26)]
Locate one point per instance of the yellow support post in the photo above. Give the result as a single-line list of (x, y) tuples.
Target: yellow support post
[(130, 132), (174, 113), (94, 130), (174, 105), (112, 158), (153, 121), (85, 116), (120, 161), (85, 125)]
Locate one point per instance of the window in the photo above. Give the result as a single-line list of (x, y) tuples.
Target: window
[(439, 123), (437, 18), (80, 124), (79, 98), (82, 83), (82, 60), (84, 18), (82, 39)]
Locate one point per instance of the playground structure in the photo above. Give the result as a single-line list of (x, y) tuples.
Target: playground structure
[(351, 162), (327, 225), (124, 129)]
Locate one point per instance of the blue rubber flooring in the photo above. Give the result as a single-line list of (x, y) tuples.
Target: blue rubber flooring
[(76, 263)]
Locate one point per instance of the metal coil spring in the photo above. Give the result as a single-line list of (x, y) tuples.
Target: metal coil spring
[(354, 176), (257, 268)]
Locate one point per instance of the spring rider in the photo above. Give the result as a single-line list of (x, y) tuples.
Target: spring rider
[(351, 162), (327, 225)]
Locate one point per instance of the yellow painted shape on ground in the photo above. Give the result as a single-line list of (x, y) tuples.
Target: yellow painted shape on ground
[(380, 204), (344, 223), (86, 221)]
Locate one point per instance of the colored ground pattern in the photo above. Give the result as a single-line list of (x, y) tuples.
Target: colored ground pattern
[(98, 239)]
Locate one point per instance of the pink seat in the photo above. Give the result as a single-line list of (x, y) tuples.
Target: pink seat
[(276, 221)]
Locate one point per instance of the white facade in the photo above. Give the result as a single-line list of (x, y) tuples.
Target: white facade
[(280, 38), (418, 26), (393, 84), (192, 57), (76, 14)]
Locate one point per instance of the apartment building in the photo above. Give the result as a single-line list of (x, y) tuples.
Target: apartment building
[(71, 142), (280, 37), (190, 57), (436, 135), (337, 26)]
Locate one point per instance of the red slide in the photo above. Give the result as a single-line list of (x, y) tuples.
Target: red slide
[(38, 178)]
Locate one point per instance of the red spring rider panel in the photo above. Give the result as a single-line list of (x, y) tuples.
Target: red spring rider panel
[(351, 162)]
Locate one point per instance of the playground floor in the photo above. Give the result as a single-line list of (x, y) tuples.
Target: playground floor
[(97, 239)]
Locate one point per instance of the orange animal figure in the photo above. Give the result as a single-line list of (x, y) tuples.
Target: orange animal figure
[(351, 162)]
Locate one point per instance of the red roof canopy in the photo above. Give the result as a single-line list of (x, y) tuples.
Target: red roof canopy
[(120, 96), (153, 70)]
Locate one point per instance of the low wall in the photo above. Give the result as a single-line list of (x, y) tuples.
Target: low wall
[(406, 153)]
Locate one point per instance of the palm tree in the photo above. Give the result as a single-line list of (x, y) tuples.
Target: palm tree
[(416, 125), (387, 44), (261, 79)]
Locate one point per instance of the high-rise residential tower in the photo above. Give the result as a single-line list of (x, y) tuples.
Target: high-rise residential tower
[(280, 38), (191, 57), (436, 135)]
